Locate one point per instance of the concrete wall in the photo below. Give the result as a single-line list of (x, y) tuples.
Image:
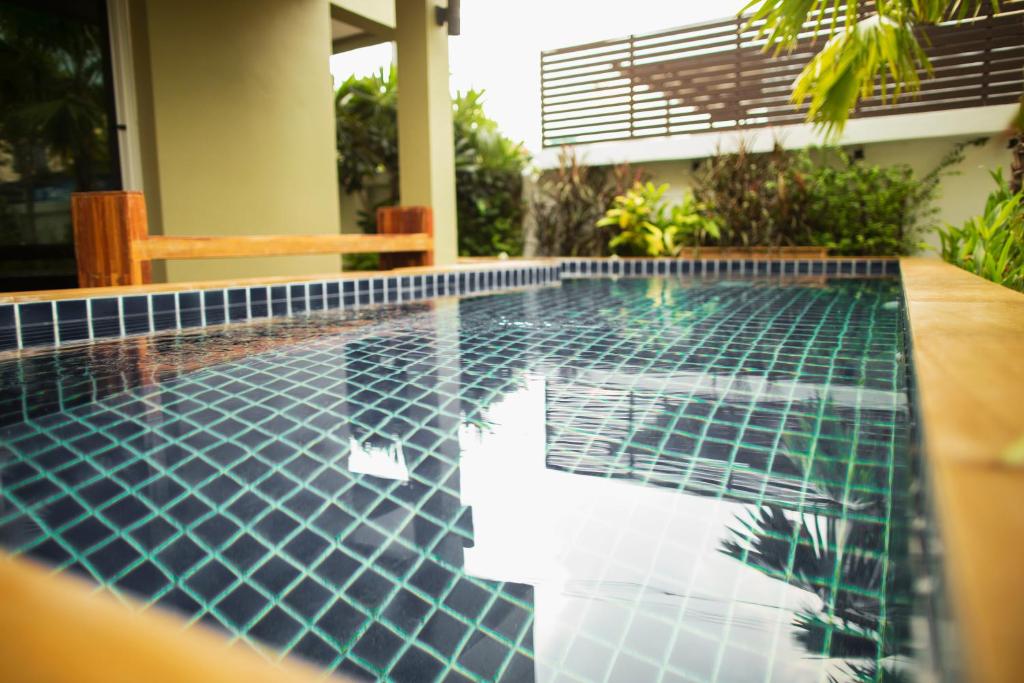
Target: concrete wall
[(237, 126), (960, 196)]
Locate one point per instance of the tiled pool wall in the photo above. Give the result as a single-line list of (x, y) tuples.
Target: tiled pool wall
[(54, 323), (938, 655), (605, 267), (48, 323)]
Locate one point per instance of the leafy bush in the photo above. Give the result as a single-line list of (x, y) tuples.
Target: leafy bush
[(366, 118), (857, 209), (757, 199), (488, 182), (647, 227), (569, 201), (821, 197), (991, 245), (488, 166)]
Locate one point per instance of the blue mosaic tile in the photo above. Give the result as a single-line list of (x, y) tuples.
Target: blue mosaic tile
[(258, 302), (165, 312), (297, 297), (72, 320), (214, 312), (190, 309), (237, 304), (8, 329), (36, 323), (279, 300)]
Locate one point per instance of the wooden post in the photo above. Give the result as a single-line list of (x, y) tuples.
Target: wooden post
[(106, 224), (400, 220)]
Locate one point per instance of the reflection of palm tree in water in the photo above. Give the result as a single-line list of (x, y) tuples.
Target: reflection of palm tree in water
[(842, 561), (54, 94)]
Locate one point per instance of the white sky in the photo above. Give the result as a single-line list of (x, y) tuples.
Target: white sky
[(499, 49)]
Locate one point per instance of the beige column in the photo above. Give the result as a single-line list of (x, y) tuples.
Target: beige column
[(237, 122), (426, 157)]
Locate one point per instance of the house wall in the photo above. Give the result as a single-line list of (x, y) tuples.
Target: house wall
[(237, 126), (960, 196)]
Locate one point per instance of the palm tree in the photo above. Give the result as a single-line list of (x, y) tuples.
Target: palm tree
[(53, 94), (868, 46)]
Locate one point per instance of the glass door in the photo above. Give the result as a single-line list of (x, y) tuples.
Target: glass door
[(57, 133)]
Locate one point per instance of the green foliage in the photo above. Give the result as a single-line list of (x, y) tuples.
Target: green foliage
[(488, 180), (366, 117), (757, 199), (52, 98), (488, 166), (821, 197), (568, 201), (647, 227), (882, 51), (991, 245), (858, 209)]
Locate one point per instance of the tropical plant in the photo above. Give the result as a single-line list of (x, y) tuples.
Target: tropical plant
[(821, 196), (647, 227), (757, 199), (883, 51), (857, 209), (991, 245), (366, 118), (52, 96), (488, 182), (568, 201), (488, 166), (868, 46)]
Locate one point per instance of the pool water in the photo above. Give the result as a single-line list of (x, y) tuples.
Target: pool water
[(603, 480)]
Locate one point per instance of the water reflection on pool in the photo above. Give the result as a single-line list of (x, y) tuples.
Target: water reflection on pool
[(640, 479)]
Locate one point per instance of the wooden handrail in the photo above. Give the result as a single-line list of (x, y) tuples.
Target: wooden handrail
[(156, 248), (113, 245)]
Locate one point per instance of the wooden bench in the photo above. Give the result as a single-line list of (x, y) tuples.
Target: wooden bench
[(113, 245)]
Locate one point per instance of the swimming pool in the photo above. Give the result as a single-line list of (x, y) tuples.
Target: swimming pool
[(643, 478)]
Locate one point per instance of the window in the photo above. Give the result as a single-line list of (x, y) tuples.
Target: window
[(56, 133)]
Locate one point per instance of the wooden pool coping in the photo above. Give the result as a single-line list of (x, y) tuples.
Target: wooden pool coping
[(967, 337)]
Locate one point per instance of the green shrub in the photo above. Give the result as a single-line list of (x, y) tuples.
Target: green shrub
[(857, 209), (488, 182), (488, 166), (821, 197), (757, 199), (568, 202), (991, 245), (645, 226)]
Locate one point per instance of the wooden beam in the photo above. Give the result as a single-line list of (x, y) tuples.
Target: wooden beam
[(156, 248), (401, 221), (106, 226)]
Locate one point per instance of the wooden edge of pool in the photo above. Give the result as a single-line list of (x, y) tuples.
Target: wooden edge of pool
[(967, 337), (159, 287), (59, 628)]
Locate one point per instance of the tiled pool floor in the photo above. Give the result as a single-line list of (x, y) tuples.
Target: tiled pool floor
[(630, 480)]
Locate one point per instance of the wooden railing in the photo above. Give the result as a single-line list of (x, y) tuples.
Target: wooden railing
[(113, 245), (716, 76)]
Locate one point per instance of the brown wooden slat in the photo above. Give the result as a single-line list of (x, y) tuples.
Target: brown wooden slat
[(404, 221), (162, 247), (720, 70), (106, 225)]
